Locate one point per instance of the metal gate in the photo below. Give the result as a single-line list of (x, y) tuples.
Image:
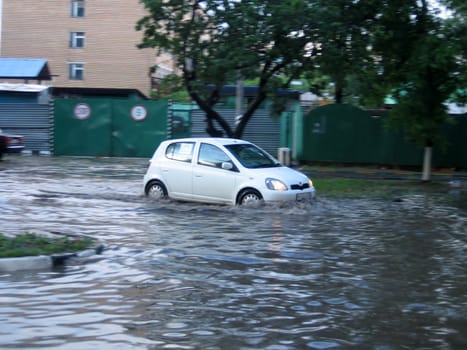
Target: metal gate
[(262, 129), (33, 121), (109, 127)]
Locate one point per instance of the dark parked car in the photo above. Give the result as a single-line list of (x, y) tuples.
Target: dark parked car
[(10, 143)]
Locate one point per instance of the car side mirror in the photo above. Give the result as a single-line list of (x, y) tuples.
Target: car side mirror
[(227, 166)]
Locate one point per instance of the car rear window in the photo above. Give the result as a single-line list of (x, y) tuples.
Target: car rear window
[(181, 151)]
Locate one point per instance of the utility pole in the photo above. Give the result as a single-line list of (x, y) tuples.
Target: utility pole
[(239, 100)]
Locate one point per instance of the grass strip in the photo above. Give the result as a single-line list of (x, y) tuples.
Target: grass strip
[(30, 244), (382, 188)]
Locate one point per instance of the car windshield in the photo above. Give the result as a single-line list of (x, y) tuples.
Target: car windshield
[(251, 156)]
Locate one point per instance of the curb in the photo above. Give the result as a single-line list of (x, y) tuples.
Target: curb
[(44, 261)]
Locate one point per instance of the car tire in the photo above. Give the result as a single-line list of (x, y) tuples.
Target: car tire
[(156, 190), (250, 197)]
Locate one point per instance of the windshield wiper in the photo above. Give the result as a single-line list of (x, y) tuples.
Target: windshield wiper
[(273, 165)]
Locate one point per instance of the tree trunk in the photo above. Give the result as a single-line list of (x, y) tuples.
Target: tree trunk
[(426, 175), (338, 93)]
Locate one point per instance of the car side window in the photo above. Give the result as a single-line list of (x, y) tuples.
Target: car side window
[(212, 156), (181, 151)]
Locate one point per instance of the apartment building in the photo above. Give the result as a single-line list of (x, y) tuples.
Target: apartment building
[(88, 43)]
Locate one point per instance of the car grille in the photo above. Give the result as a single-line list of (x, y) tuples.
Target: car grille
[(299, 187)]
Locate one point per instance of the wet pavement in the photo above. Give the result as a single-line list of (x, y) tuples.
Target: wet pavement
[(337, 274)]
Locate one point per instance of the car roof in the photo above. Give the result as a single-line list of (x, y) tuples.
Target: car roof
[(214, 140)]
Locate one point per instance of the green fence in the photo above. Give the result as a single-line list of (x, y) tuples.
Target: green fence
[(108, 127), (343, 133), (333, 133)]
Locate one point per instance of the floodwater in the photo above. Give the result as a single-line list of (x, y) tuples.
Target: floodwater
[(337, 274)]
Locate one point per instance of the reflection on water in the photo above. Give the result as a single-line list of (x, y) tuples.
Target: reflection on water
[(339, 274)]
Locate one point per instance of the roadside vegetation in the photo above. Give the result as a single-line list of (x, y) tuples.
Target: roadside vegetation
[(30, 244), (378, 188), (354, 52)]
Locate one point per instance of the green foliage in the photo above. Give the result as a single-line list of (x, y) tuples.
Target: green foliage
[(344, 33), (216, 42), (29, 244), (360, 51), (421, 64), (456, 27), (171, 88)]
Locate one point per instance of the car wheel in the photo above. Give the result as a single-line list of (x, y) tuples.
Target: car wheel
[(250, 197), (156, 190)]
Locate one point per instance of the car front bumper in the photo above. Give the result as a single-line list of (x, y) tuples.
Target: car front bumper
[(291, 196), (14, 149)]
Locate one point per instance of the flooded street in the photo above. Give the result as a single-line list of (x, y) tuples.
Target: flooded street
[(338, 274)]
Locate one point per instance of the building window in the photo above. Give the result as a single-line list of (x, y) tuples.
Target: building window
[(76, 71), (77, 8), (77, 40)]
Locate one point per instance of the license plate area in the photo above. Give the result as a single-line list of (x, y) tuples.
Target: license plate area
[(303, 197)]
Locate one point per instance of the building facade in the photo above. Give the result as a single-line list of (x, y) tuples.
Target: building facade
[(88, 43)]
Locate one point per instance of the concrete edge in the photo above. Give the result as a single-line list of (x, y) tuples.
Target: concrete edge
[(42, 262)]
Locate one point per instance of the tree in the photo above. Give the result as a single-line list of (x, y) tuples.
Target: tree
[(420, 63), (215, 42), (344, 39), (456, 27), (170, 87)]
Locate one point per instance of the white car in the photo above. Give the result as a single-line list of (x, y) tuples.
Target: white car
[(222, 170)]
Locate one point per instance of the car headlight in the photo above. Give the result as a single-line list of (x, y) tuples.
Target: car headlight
[(310, 183), (276, 185)]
